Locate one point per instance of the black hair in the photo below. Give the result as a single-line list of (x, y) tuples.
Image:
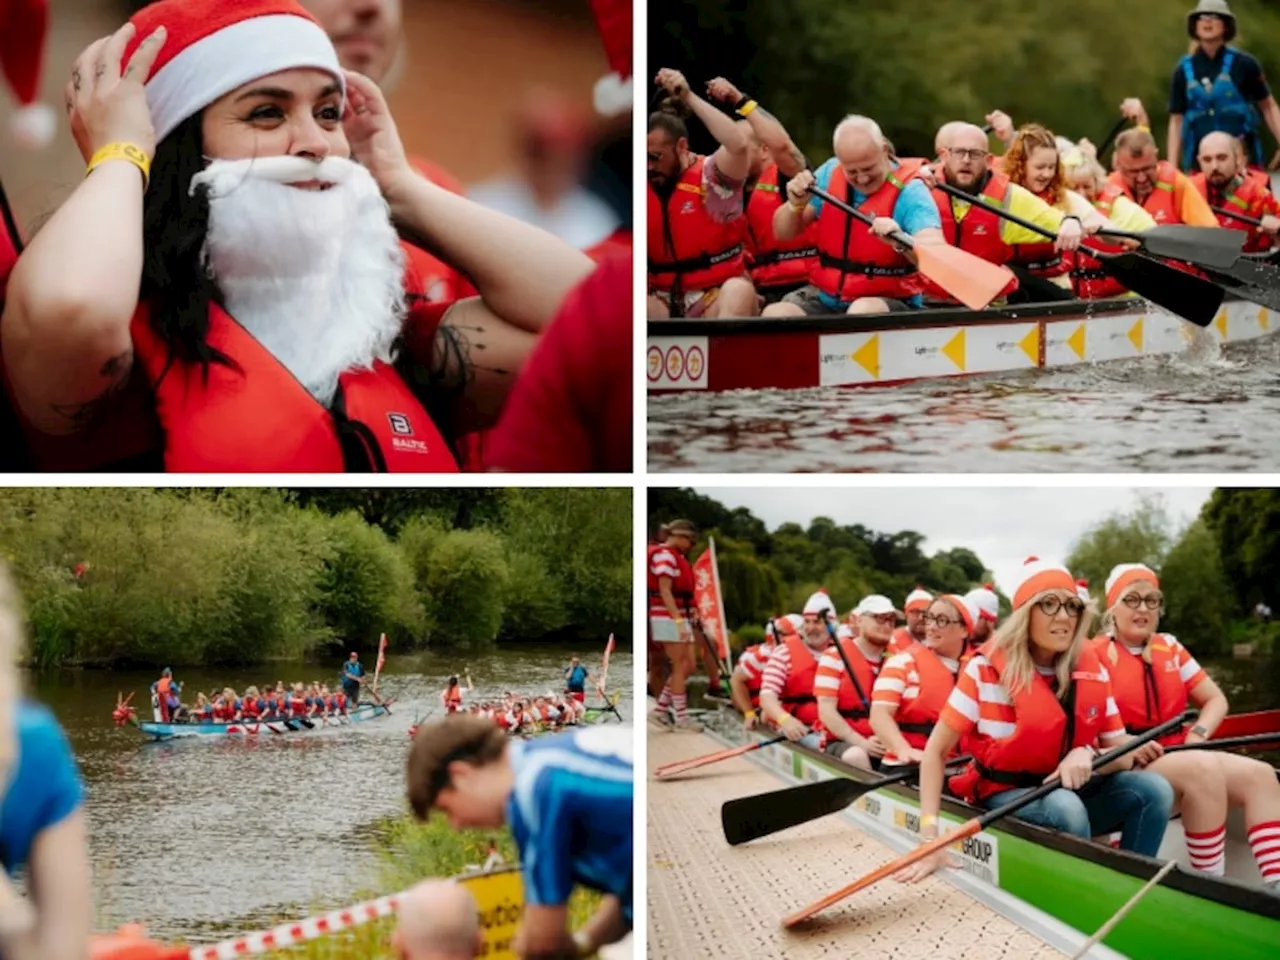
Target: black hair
[(670, 118)]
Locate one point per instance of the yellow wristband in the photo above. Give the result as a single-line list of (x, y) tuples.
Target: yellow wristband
[(129, 152), (928, 820), (747, 108), (1144, 127), (750, 714), (797, 207)]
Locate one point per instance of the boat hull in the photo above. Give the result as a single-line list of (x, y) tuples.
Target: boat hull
[(850, 351), (157, 730), (1188, 917)]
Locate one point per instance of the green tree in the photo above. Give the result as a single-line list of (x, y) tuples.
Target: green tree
[(1198, 600), (1141, 535)]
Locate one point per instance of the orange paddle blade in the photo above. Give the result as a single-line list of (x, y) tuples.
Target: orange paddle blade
[(680, 766), (966, 829), (971, 280)]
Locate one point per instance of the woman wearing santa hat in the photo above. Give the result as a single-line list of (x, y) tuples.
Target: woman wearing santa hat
[(230, 265), (1036, 703), (1154, 678), (913, 686)]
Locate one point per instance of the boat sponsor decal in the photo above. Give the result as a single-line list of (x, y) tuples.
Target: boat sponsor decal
[(1264, 319), (979, 855), (677, 363), (500, 902), (846, 359)]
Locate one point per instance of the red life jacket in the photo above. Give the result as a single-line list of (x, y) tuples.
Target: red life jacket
[(760, 652), (852, 261), (162, 687), (1042, 734), (223, 711), (500, 717), (900, 642), (10, 243), (797, 693), (1041, 259), (1250, 198), (681, 586), (916, 717), (853, 705), (1160, 201), (1147, 694), (978, 232), (1088, 280), (774, 262), (340, 702), (687, 249), (298, 705), (249, 707)]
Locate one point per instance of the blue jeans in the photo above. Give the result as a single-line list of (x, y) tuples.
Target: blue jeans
[(1133, 801)]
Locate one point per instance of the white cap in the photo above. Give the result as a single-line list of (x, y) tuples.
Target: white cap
[(875, 605), (986, 602), (820, 603), (919, 597), (843, 632)]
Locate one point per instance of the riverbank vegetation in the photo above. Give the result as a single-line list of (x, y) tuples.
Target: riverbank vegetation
[(1214, 570), (116, 576)]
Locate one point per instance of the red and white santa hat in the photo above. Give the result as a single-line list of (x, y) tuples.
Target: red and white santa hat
[(613, 92), (214, 46), (1082, 590), (779, 628), (918, 599), (1037, 576), (968, 611), (1126, 575), (23, 27), (985, 601), (820, 603)]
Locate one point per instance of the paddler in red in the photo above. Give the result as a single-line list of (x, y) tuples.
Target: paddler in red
[(671, 613), (451, 696), (282, 334), (984, 600), (1154, 184), (787, 696), (1225, 184), (696, 226), (914, 608), (748, 672), (846, 676), (913, 686), (1154, 678)]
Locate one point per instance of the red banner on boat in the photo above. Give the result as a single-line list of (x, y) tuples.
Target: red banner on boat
[(710, 601), (382, 655)]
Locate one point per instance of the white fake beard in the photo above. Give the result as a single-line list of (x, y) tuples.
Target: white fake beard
[(315, 276)]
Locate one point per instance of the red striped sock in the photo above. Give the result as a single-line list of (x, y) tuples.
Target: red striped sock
[(680, 701), (1208, 851), (664, 699), (1264, 840)]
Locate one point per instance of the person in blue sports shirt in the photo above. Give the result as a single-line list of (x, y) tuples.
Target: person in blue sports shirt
[(352, 679), (568, 799), (42, 822), (575, 680)]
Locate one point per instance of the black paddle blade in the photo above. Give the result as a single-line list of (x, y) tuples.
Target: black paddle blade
[(1183, 294), (750, 818), (1205, 246), (1253, 280)]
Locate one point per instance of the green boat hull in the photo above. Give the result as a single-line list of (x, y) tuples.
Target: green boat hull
[(1189, 916)]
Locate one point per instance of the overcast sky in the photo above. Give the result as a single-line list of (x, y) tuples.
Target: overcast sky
[(1002, 525)]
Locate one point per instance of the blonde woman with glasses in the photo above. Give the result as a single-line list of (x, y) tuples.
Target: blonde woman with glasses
[(1154, 678), (1035, 704)]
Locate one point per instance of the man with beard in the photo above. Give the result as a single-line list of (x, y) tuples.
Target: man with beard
[(786, 694), (273, 332), (697, 265), (977, 230), (914, 608), (984, 601), (1155, 185), (859, 270), (1224, 183), (777, 267), (846, 675)]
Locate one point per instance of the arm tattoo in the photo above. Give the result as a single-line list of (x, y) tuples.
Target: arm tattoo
[(796, 154), (75, 79), (457, 355), (82, 416)]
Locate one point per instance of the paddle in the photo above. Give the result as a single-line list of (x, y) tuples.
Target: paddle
[(1251, 279), (1115, 132), (1177, 291), (977, 824), (682, 766), (1230, 743), (744, 819), (1243, 218), (971, 280)]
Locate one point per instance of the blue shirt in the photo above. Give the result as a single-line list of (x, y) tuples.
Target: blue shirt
[(577, 678), (350, 670), (570, 813), (45, 788)]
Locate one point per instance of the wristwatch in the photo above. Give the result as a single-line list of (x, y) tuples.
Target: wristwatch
[(1200, 731)]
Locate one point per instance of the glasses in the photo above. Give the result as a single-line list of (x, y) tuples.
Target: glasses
[(884, 619), (811, 619), (940, 620), (1152, 601), (1050, 606), (969, 154)]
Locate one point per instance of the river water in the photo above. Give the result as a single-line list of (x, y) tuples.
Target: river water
[(201, 839), (1181, 414)]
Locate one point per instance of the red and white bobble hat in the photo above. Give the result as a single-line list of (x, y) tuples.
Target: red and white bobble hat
[(23, 27), (214, 46), (613, 94), (985, 601), (1082, 590), (820, 603), (918, 599), (967, 609), (1124, 576), (1038, 575)]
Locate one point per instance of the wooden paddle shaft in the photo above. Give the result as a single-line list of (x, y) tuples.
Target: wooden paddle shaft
[(1120, 914), (681, 766), (1252, 221), (1228, 743)]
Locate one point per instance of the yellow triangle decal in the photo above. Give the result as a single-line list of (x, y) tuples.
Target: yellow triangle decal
[(954, 350), (1076, 341), (1221, 323), (867, 356), (1264, 319), (1030, 344), (1135, 335)]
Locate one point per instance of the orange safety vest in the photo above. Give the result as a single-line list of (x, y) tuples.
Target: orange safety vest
[(854, 703), (916, 717), (1147, 694), (1044, 733), (453, 698), (797, 692), (776, 263), (978, 232), (688, 250), (1160, 201), (852, 261), (162, 686), (1041, 259), (1249, 198), (900, 642)]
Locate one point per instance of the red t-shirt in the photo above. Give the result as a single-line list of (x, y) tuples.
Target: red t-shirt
[(570, 410)]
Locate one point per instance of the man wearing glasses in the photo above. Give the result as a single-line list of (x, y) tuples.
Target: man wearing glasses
[(846, 675), (1155, 185)]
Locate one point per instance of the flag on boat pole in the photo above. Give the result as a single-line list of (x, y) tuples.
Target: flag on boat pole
[(602, 683), (709, 600), (382, 660)]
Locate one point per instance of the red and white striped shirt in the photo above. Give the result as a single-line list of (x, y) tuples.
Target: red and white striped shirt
[(831, 672), (778, 668), (752, 663), (662, 563)]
